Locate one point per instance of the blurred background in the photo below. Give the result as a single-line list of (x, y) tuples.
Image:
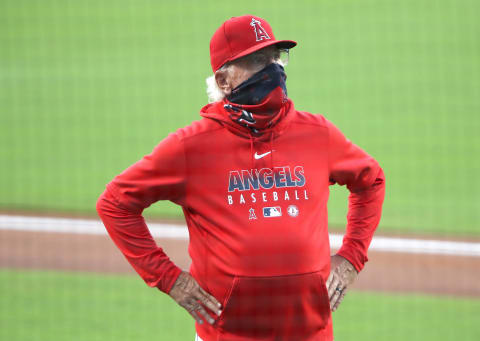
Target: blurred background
[(89, 87)]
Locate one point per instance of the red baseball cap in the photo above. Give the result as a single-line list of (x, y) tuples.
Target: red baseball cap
[(239, 36)]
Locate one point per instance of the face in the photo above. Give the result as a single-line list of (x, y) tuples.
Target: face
[(239, 73), (242, 69)]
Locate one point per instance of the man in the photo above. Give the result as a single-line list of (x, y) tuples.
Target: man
[(252, 178)]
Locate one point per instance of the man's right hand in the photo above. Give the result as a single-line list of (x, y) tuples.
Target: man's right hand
[(194, 299)]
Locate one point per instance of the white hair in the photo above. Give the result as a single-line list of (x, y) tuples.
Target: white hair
[(257, 58), (213, 91)]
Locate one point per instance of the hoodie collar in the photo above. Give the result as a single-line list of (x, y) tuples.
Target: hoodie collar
[(217, 112)]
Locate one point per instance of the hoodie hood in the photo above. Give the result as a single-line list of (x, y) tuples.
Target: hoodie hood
[(228, 114), (218, 111)]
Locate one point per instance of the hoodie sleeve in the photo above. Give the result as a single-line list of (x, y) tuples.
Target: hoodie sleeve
[(158, 176), (351, 166)]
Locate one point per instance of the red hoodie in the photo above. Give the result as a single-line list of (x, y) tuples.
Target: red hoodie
[(256, 210)]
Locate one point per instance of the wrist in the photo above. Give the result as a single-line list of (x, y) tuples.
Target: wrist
[(356, 260), (167, 283)]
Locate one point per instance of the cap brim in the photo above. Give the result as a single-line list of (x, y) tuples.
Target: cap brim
[(283, 44)]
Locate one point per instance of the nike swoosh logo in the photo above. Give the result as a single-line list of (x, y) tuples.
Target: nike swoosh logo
[(257, 156)]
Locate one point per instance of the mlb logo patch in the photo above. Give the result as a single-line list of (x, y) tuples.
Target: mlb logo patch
[(271, 212)]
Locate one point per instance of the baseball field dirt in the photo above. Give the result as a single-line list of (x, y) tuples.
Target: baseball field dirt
[(385, 272)]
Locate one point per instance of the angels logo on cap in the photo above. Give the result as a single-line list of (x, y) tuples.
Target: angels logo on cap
[(259, 30)]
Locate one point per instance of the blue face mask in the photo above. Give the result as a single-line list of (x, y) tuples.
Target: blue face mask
[(254, 90)]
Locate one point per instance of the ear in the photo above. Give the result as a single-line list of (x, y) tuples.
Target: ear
[(223, 81)]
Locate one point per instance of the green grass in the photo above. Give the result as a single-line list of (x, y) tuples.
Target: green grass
[(66, 306), (88, 87), (48, 305)]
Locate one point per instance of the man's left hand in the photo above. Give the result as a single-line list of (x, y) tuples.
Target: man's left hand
[(342, 275)]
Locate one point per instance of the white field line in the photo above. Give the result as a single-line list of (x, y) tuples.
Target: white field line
[(171, 231)]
